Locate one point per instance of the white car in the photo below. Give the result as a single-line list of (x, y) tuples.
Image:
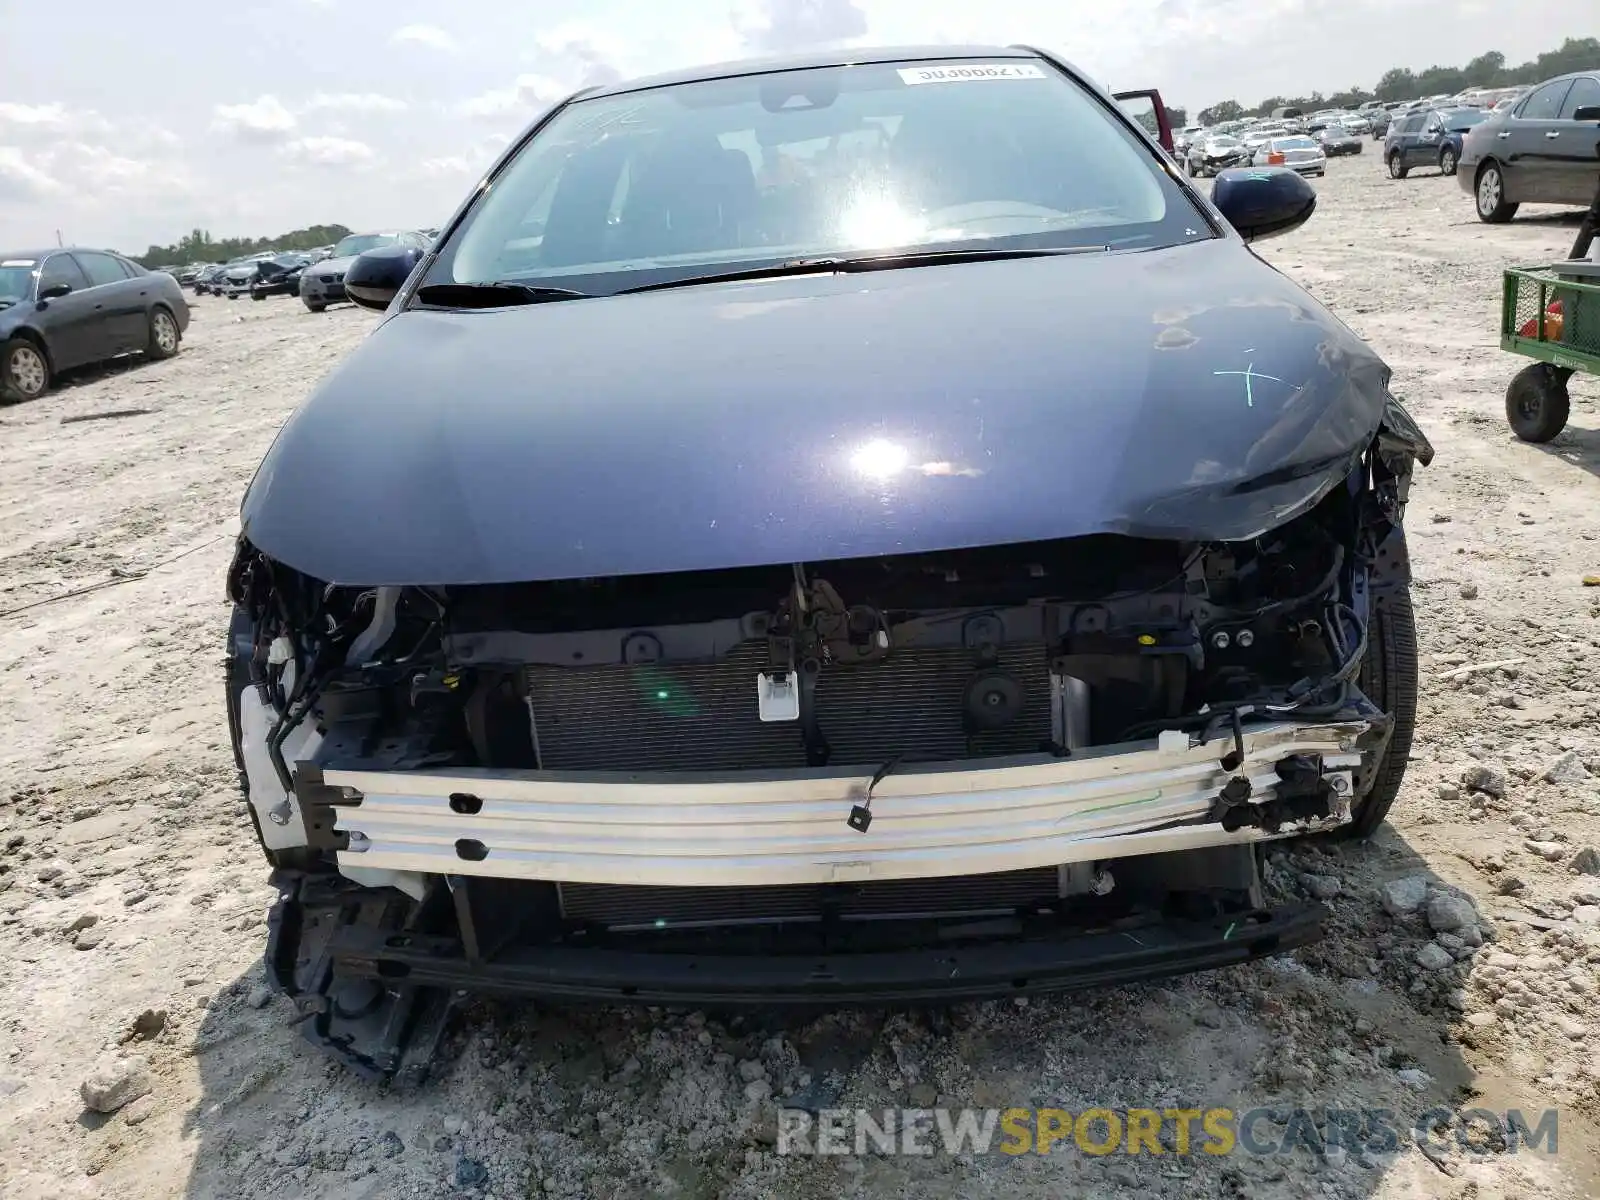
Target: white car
[(1301, 153), (1254, 139)]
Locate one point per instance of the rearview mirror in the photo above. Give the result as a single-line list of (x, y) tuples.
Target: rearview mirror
[(375, 277), (55, 291), (1263, 203), (1586, 112)]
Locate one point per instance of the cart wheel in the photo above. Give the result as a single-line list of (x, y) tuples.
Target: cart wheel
[(1537, 403)]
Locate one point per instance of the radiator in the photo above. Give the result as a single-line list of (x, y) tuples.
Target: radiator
[(702, 716)]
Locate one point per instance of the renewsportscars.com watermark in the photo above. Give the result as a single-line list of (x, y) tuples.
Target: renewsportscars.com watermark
[(1375, 1132)]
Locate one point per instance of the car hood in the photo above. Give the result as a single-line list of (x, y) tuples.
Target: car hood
[(332, 266), (1192, 392)]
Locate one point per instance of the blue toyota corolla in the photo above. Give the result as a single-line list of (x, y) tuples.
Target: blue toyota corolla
[(848, 529)]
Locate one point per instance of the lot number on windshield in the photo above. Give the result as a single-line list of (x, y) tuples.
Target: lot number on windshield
[(971, 72)]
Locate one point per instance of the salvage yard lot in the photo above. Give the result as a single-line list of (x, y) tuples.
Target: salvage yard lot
[(130, 880)]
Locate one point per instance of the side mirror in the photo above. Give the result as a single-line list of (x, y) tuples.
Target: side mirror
[(376, 276), (1263, 203), (55, 291), (1586, 112)]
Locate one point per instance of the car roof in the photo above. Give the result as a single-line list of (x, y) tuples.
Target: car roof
[(840, 57), (36, 255)]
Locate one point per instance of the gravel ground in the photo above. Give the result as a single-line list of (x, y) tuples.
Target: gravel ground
[(1460, 969)]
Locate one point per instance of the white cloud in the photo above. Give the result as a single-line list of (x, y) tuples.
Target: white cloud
[(426, 35), (53, 119), (20, 179), (357, 102), (474, 161), (775, 26), (568, 57), (596, 53), (46, 115), (330, 151), (527, 93), (263, 120)]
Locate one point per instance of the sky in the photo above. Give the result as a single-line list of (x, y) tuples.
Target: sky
[(124, 125)]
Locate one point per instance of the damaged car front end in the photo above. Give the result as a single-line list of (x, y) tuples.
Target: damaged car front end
[(756, 626)]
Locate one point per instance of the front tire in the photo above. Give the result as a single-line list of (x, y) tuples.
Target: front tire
[(164, 337), (316, 308), (24, 370), (1389, 678), (1490, 196), (1397, 166), (1447, 161), (1537, 403)]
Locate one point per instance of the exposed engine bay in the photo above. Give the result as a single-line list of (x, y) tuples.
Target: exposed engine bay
[(685, 786)]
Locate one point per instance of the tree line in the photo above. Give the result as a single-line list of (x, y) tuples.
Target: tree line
[(199, 246), (1401, 83)]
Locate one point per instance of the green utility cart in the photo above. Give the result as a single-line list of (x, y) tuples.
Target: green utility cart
[(1550, 314)]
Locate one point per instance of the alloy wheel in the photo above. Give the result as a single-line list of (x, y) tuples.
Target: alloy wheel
[(28, 371), (1489, 192), (166, 332)]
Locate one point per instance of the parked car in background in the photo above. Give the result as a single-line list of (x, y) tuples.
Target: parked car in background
[(205, 282), (1213, 153), (235, 279), (531, 692), (1299, 152), (322, 283), (1541, 150), (278, 276), (1378, 122), (1260, 135), (1339, 138), (1183, 138), (1430, 137), (67, 308)]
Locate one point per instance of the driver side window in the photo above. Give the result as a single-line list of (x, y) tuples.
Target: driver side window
[(60, 268), (1545, 103)]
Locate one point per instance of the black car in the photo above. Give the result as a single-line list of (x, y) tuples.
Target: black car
[(205, 280), (1430, 137), (278, 276), (1543, 149), (237, 277), (66, 308), (856, 528), (322, 283)]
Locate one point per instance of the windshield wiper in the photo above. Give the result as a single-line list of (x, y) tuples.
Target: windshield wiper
[(874, 262), (499, 294)]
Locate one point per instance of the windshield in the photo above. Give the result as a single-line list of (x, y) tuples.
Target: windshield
[(1222, 142), (761, 169), (16, 283), (1294, 143), (360, 243)]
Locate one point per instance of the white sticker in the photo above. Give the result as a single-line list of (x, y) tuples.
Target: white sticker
[(970, 72), (17, 262)]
